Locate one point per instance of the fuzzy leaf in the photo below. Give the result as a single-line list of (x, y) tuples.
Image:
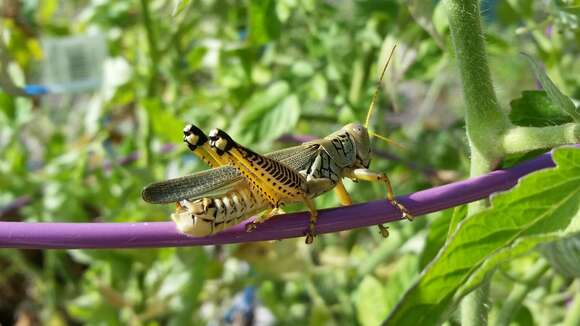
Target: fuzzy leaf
[(536, 109), (560, 100), (542, 204)]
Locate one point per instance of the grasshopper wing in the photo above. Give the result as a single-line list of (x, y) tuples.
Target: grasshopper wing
[(221, 180), (204, 183)]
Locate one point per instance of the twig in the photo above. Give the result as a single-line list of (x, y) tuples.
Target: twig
[(164, 234)]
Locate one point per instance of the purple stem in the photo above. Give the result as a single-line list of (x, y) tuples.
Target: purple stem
[(163, 234), (134, 156), (13, 207)]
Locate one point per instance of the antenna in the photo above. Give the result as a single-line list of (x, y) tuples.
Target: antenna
[(372, 106), (373, 100)]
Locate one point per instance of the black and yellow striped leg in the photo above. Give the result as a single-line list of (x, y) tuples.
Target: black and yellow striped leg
[(197, 142), (268, 178), (368, 175)]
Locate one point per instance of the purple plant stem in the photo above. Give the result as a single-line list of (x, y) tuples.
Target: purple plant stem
[(134, 156), (13, 207), (163, 234)]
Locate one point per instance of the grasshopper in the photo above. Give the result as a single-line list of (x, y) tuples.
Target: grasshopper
[(242, 183)]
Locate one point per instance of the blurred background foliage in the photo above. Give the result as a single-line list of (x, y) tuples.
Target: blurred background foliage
[(259, 69)]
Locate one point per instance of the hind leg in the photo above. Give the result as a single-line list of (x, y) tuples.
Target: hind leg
[(197, 142)]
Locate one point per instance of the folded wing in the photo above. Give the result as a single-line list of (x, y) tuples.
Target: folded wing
[(219, 181)]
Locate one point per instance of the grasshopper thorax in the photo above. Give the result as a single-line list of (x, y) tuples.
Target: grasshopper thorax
[(358, 136)]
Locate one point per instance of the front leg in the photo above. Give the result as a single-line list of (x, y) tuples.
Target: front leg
[(368, 175), (345, 200)]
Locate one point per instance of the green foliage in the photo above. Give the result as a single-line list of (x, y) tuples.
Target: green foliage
[(180, 5), (559, 99), (543, 206), (260, 69), (436, 237), (263, 23), (564, 255), (535, 108)]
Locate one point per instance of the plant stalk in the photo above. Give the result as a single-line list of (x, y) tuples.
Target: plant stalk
[(573, 314), (524, 139), (519, 293), (485, 122)]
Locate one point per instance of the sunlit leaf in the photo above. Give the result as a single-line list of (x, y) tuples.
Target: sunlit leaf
[(423, 12), (267, 115), (542, 203), (179, 6), (263, 22), (165, 124)]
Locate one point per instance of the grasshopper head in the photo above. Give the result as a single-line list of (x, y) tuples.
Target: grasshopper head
[(360, 135)]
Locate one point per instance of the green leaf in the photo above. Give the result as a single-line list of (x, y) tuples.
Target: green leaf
[(543, 206), (564, 255), (520, 247), (370, 300), (436, 236), (560, 100), (536, 109), (165, 125), (263, 21), (267, 115), (195, 57), (459, 213), (281, 119), (440, 20), (422, 12), (373, 300), (180, 5)]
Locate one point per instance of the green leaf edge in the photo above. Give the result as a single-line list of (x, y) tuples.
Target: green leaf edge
[(562, 160)]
